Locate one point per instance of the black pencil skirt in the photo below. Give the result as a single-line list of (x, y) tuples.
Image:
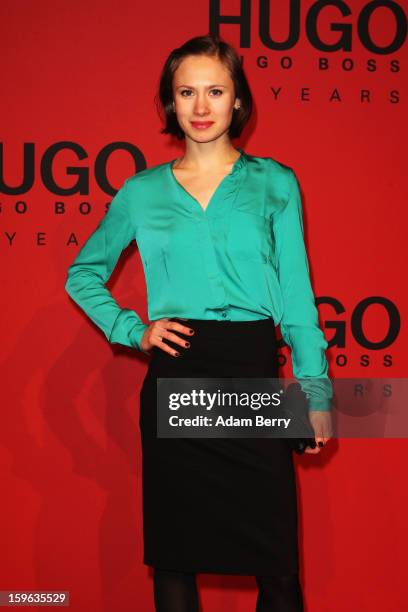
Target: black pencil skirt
[(226, 505)]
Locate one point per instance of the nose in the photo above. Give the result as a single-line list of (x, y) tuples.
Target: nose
[(201, 106)]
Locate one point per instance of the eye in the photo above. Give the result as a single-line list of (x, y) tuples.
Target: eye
[(185, 93)]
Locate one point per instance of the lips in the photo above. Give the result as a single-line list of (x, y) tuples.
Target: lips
[(201, 125)]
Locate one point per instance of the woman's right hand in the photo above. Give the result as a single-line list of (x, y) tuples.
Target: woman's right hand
[(164, 328)]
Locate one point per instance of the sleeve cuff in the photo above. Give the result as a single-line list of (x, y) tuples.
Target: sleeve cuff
[(322, 403), (136, 334), (323, 407), (319, 392)]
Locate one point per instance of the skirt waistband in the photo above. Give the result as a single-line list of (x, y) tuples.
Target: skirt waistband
[(217, 343), (215, 322)]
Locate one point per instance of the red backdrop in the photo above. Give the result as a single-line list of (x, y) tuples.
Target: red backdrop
[(85, 74)]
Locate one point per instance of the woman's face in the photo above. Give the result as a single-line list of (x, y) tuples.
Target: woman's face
[(204, 97)]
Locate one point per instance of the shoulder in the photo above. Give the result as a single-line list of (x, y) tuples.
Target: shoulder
[(138, 190), (150, 176), (280, 177)]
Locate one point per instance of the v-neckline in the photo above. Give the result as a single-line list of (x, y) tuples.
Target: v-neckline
[(217, 189)]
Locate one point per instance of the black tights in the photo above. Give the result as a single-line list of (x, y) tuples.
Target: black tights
[(279, 594), (177, 592)]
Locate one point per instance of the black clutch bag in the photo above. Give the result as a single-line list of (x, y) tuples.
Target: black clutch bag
[(294, 402)]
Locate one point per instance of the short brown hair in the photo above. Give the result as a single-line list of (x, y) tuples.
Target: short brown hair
[(210, 45)]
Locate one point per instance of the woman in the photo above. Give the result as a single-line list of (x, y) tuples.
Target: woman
[(221, 241)]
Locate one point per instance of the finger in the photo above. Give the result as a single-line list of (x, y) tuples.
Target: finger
[(312, 451), (176, 339), (183, 329), (318, 431), (328, 429), (326, 434), (167, 348)]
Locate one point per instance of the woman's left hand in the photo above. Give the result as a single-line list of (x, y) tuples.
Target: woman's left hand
[(321, 421)]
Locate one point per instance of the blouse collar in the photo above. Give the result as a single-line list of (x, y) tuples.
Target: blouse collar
[(239, 163)]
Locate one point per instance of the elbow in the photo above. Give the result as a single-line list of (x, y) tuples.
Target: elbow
[(69, 288), (80, 281), (71, 282)]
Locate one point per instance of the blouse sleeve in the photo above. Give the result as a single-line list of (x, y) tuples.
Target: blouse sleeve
[(300, 325), (92, 268)]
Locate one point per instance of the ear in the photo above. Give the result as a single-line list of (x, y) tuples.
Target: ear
[(237, 103)]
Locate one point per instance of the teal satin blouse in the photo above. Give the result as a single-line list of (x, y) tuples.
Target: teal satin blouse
[(242, 258)]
